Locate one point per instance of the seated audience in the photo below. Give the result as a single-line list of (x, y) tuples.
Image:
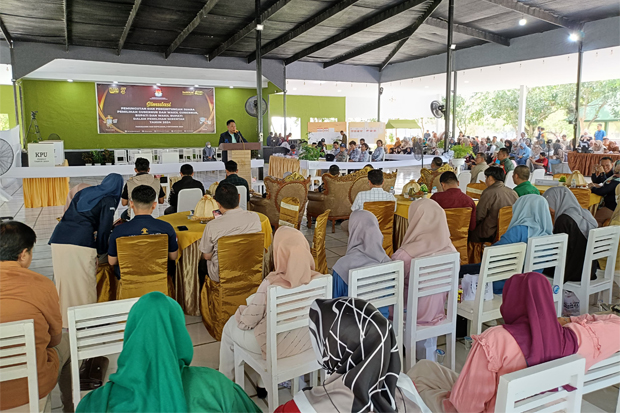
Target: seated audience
[(72, 193), (187, 182), (358, 349), (379, 152), (234, 221), (233, 178), (531, 335), (607, 190), (480, 166), (493, 198), (571, 219), (154, 372), (354, 152), (294, 266), (143, 203), (364, 155), (396, 147), (81, 235), (557, 157), (453, 197), (208, 153), (341, 156), (376, 192), (142, 177), (541, 163), (27, 295), (603, 171), (504, 161), (521, 178), (523, 154)]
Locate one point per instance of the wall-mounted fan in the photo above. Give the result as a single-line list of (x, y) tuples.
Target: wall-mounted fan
[(251, 106), (418, 151), (437, 109)]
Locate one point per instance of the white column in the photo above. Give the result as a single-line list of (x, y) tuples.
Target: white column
[(522, 103)]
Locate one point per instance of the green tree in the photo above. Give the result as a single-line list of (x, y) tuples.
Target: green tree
[(467, 111), (594, 96)]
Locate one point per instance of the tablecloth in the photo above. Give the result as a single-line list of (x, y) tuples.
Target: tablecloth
[(584, 162), (278, 165), (44, 192), (187, 292)]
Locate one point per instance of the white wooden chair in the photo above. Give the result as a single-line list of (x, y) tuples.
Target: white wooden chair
[(188, 199), (539, 388), (188, 154), (602, 243), (382, 285), (498, 264), (429, 276), (243, 197), (170, 157), (18, 357), (537, 174), (120, 156), (287, 309), (95, 330), (508, 180), (603, 374), (464, 178), (549, 251)]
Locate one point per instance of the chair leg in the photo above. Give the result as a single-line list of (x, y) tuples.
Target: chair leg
[(451, 350), (240, 373), (272, 395), (314, 376), (607, 294), (333, 226), (294, 386), (309, 223)]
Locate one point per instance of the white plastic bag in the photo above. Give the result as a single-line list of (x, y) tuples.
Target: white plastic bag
[(570, 305), (470, 285)]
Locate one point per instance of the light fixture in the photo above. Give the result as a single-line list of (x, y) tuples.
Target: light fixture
[(231, 87), (522, 22), (294, 88), (195, 85), (69, 80), (260, 26), (573, 37), (452, 46), (157, 84)]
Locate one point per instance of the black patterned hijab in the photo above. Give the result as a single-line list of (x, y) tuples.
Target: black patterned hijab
[(353, 339)]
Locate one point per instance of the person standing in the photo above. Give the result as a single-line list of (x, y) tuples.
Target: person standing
[(83, 233), (232, 135), (343, 138), (600, 134)]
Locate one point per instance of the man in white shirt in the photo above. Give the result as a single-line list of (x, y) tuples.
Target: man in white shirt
[(375, 194)]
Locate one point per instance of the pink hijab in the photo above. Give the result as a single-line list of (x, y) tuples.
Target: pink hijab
[(428, 232), (293, 260)]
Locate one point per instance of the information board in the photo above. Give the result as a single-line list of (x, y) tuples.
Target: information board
[(330, 131), (370, 131)]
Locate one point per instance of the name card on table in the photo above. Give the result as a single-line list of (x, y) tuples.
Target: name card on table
[(40, 155)]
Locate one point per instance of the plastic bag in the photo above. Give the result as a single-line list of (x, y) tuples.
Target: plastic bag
[(570, 305), (470, 285)]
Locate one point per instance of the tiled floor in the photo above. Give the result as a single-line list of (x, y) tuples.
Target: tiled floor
[(206, 349)]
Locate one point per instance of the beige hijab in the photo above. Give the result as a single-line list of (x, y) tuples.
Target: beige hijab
[(293, 260), (428, 232), (72, 193)]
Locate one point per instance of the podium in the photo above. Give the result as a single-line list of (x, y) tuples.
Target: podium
[(241, 153)]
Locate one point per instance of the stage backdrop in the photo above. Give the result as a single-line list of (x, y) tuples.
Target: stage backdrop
[(155, 109)]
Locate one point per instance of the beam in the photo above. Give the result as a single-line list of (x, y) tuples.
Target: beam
[(132, 16), (6, 34), (376, 18), (469, 31), (66, 20), (385, 40), (540, 14), (448, 105), (303, 27), (247, 29), (190, 27), (393, 53)]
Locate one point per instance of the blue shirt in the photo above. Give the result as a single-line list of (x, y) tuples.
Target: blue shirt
[(143, 225), (355, 154), (599, 135)]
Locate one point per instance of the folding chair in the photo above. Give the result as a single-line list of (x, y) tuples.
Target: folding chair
[(438, 274), (549, 251), (464, 179), (95, 330), (498, 264), (287, 310), (188, 199), (537, 174), (603, 374), (243, 197)]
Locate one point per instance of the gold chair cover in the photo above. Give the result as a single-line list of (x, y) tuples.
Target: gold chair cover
[(289, 212), (384, 211), (475, 190), (458, 224), (503, 221), (318, 243), (411, 184), (143, 261), (429, 177), (241, 272), (107, 283), (582, 195)]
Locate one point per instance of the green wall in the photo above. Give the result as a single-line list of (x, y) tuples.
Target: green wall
[(70, 110), (306, 107), (7, 103)]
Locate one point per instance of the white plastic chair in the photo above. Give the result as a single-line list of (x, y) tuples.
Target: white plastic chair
[(537, 174), (464, 178), (20, 358), (170, 157), (95, 330), (508, 180), (188, 199), (382, 285), (429, 276), (148, 155), (549, 251), (197, 155), (602, 243), (243, 197), (287, 309), (120, 157), (603, 374), (498, 264), (539, 388)]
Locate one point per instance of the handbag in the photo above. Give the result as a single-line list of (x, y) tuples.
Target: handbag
[(92, 373)]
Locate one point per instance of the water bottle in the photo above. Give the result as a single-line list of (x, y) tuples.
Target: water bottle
[(434, 190), (468, 343), (392, 190), (573, 183), (439, 356)]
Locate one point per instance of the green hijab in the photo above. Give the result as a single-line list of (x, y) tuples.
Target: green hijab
[(153, 372)]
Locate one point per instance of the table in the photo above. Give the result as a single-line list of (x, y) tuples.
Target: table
[(279, 164), (187, 289), (44, 191), (584, 162), (594, 199)]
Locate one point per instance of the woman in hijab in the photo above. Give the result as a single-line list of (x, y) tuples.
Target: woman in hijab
[(508, 145), (154, 373), (358, 349), (597, 147), (294, 266), (75, 246), (72, 193), (396, 147), (571, 219), (523, 154), (530, 336), (608, 191)]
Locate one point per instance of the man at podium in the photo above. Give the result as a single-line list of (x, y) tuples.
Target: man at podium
[(232, 135)]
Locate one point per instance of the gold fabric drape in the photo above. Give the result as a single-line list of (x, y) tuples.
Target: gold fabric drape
[(585, 162), (458, 224), (143, 261), (475, 190), (318, 243), (44, 192), (400, 229), (241, 272), (384, 211), (278, 165), (583, 196), (289, 212), (107, 283), (503, 221)]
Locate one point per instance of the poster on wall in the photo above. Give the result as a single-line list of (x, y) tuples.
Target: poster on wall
[(330, 131), (370, 131), (155, 109)]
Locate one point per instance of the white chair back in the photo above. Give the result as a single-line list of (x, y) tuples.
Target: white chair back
[(243, 197), (382, 285), (464, 179), (602, 244), (170, 157), (132, 155), (603, 374), (539, 388), (549, 251), (508, 180), (148, 155), (120, 156), (197, 154), (438, 274), (187, 154), (18, 357), (95, 330), (188, 199), (537, 174)]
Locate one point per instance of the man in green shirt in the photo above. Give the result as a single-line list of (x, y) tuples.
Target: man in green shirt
[(504, 160), (521, 178)]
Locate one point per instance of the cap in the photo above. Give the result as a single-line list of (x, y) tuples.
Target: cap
[(342, 145)]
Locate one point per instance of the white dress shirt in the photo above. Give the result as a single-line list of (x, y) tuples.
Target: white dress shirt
[(374, 195)]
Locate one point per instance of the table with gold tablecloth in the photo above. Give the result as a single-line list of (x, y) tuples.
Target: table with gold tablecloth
[(401, 219), (594, 199), (187, 283), (44, 192), (278, 165), (585, 162)]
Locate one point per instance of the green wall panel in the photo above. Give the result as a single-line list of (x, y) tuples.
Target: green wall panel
[(306, 107), (7, 103)]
